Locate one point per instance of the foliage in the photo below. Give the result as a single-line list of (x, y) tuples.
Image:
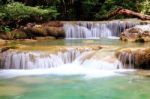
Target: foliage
[(145, 7), (4, 28), (94, 9), (142, 6), (68, 9), (89, 8), (15, 11), (18, 11)]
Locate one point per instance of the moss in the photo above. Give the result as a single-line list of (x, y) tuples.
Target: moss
[(8, 48), (141, 40), (20, 35)]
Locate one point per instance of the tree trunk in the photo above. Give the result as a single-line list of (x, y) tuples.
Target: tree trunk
[(127, 12)]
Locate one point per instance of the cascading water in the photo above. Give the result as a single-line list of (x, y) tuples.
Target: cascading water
[(84, 57), (95, 30), (35, 60), (127, 59), (74, 60), (135, 58)]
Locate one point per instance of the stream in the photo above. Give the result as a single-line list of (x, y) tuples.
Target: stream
[(82, 66)]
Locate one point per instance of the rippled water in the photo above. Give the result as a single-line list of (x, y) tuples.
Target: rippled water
[(73, 42), (75, 87)]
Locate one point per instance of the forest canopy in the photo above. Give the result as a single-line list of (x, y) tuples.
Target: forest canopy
[(78, 9)]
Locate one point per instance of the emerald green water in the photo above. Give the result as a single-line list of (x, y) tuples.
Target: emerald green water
[(80, 42), (124, 86), (75, 87)]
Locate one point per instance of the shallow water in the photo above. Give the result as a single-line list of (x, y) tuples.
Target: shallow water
[(72, 83), (80, 42), (75, 87)]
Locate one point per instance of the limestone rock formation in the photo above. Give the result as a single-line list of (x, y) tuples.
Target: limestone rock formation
[(15, 34), (54, 29), (139, 33), (138, 58)]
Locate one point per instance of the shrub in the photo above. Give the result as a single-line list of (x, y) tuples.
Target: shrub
[(18, 11)]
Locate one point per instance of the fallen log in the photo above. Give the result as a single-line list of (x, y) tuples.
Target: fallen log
[(127, 12)]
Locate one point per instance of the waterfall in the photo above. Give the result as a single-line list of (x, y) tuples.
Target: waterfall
[(95, 30), (135, 58), (83, 57), (35, 60), (127, 59), (95, 57)]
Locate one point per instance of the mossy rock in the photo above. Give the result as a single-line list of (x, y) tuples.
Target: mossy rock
[(15, 34), (141, 40), (54, 29)]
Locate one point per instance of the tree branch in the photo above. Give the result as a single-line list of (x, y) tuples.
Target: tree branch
[(127, 12)]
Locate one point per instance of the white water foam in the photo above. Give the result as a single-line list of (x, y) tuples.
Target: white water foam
[(143, 27), (66, 70), (87, 63), (88, 69)]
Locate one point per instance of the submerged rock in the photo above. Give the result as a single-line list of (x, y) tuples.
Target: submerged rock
[(2, 42), (139, 33), (145, 73), (12, 89), (45, 38), (138, 58), (26, 40)]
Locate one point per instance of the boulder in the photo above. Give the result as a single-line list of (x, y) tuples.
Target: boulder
[(139, 33), (33, 30), (54, 24), (138, 58), (37, 30), (15, 34), (54, 29)]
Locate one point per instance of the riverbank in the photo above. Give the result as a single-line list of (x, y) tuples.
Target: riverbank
[(57, 29)]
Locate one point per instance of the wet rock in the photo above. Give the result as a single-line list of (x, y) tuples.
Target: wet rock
[(145, 73), (6, 48), (139, 33), (37, 30), (138, 58), (54, 24), (54, 29), (2, 42), (45, 38), (33, 30), (15, 34)]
